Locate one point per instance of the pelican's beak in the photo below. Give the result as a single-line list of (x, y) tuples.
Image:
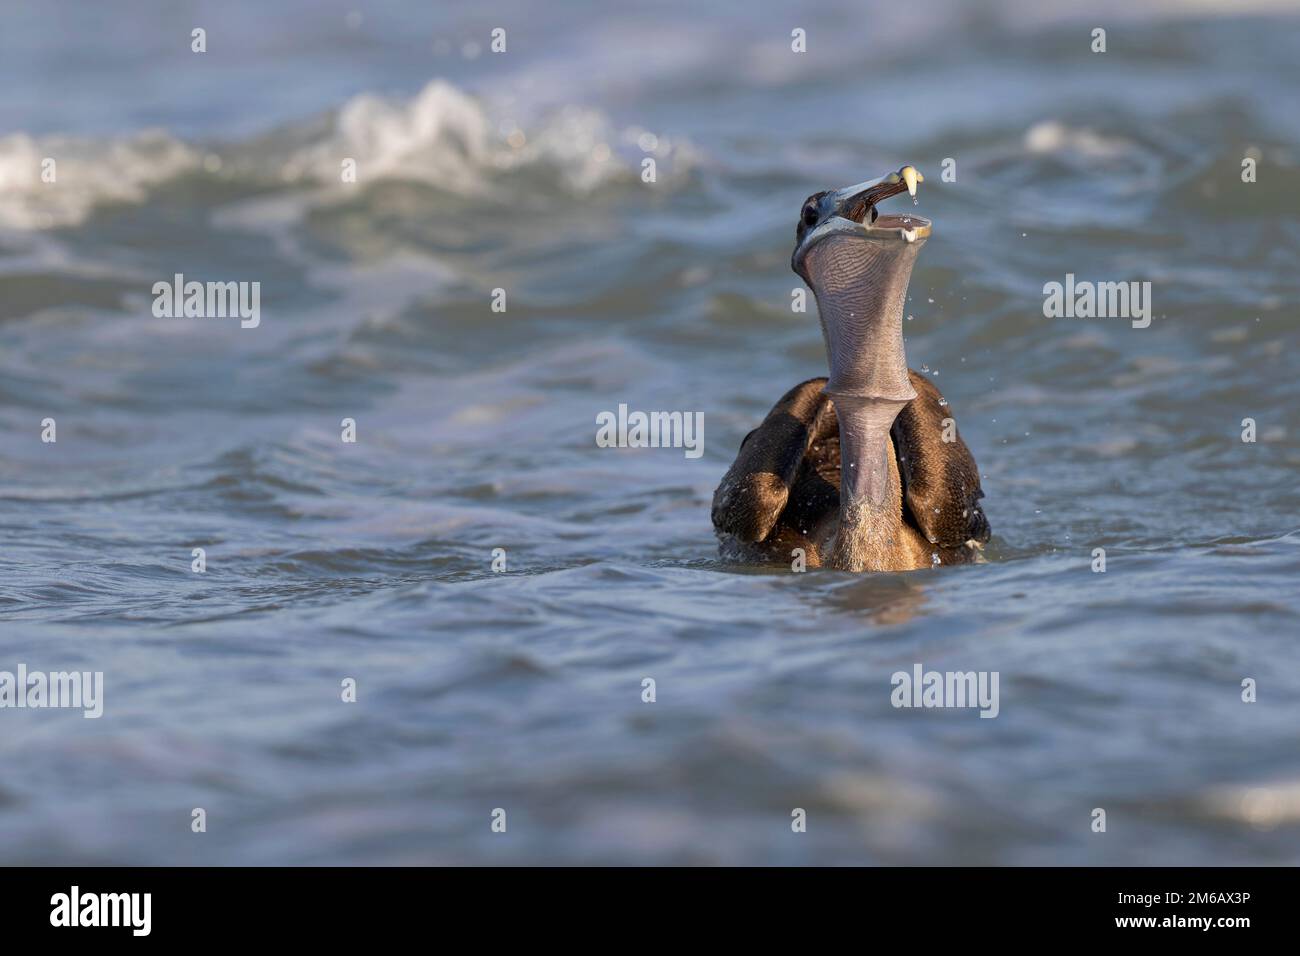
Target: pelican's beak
[(852, 210), (857, 203)]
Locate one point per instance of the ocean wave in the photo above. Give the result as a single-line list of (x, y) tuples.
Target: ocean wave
[(57, 180), (442, 137)]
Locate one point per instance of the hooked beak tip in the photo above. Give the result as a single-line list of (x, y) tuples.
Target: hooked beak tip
[(911, 176)]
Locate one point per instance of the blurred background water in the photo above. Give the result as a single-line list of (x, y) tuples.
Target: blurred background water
[(476, 431)]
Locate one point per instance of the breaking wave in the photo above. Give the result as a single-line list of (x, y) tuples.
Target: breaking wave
[(442, 136)]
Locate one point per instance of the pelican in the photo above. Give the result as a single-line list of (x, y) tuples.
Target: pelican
[(863, 471)]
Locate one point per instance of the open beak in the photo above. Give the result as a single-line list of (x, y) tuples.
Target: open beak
[(852, 211), (857, 203)]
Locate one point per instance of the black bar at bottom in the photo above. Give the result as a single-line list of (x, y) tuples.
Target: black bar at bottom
[(335, 906)]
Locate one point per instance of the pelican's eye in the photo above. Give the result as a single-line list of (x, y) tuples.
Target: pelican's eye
[(810, 214)]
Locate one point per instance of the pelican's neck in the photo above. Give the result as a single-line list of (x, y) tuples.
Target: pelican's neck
[(865, 450), (861, 289)]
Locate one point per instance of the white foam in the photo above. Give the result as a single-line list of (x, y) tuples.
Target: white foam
[(441, 136), (447, 138), (1051, 137), (86, 172)]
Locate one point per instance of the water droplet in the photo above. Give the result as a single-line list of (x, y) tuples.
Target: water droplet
[(909, 318), (915, 201), (925, 368), (943, 403), (934, 558)]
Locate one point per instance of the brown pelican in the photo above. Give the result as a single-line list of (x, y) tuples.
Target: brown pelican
[(864, 471)]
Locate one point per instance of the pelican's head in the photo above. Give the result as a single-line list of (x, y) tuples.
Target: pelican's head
[(858, 261), (852, 212)]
